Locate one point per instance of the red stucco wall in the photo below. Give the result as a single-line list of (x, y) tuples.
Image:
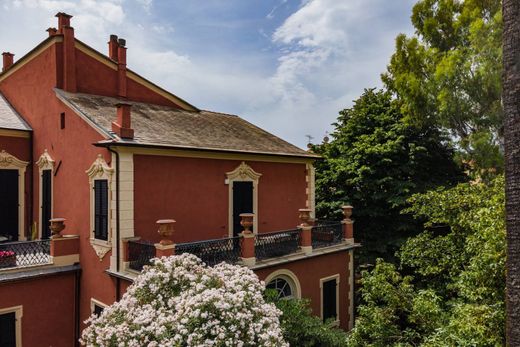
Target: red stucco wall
[(193, 192), (30, 91), (48, 309), (310, 271)]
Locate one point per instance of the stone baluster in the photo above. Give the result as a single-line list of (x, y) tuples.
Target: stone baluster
[(348, 224)]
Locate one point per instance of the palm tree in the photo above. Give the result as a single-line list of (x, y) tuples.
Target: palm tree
[(511, 99)]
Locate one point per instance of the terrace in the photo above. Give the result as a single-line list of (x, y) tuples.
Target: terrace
[(22, 256), (255, 250)]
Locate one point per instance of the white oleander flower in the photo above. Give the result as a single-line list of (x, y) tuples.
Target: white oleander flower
[(178, 301)]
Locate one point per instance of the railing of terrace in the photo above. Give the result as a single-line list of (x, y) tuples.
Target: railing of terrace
[(213, 251), (326, 233), (277, 244), (24, 253), (140, 253)]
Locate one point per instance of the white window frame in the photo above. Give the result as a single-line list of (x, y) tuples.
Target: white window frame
[(10, 162), (18, 313), (45, 162), (94, 303), (99, 170), (288, 276), (242, 173), (326, 279)]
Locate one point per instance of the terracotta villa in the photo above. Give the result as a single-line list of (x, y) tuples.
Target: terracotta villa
[(95, 160)]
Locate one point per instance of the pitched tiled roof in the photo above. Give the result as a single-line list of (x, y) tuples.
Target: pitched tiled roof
[(157, 125), (9, 118)]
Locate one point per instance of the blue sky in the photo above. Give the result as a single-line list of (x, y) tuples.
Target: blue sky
[(288, 66)]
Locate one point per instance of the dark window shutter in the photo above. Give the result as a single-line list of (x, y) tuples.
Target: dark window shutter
[(46, 203), (8, 330), (329, 299), (101, 209)]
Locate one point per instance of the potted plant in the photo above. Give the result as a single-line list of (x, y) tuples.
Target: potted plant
[(7, 259)]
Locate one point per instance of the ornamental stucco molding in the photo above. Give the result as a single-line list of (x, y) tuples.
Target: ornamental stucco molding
[(99, 168), (100, 249), (9, 160), (243, 171), (45, 162)]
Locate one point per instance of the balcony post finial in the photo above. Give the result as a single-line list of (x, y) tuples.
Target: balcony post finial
[(165, 247)]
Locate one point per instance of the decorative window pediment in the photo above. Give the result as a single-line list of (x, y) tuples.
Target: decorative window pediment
[(99, 169), (45, 162), (8, 160), (243, 172)]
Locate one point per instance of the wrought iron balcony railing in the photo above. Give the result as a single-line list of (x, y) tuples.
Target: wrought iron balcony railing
[(24, 253), (326, 233), (140, 253), (277, 244), (213, 252)]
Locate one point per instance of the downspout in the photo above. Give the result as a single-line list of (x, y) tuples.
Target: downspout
[(31, 184), (118, 247), (77, 294)]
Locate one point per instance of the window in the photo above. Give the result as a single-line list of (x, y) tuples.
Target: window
[(10, 327), (330, 298), (282, 286), (96, 307), (101, 209), (285, 283)]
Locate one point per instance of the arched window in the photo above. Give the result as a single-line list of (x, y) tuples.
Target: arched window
[(284, 286)]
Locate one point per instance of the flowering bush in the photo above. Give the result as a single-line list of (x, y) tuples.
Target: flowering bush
[(178, 301), (6, 254)]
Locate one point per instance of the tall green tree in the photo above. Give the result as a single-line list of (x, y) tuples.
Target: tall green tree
[(448, 75), (376, 161), (450, 287), (511, 41)]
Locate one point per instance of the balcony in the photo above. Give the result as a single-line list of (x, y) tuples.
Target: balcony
[(250, 249), (29, 258), (24, 254)]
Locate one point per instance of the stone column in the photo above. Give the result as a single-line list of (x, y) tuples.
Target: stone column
[(305, 230), (348, 224), (247, 240), (165, 247)]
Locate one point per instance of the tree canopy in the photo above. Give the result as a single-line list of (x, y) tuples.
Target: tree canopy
[(450, 286), (376, 161), (448, 75)]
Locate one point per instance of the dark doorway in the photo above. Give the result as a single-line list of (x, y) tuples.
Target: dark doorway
[(46, 203), (242, 203), (329, 300), (9, 204), (8, 329)]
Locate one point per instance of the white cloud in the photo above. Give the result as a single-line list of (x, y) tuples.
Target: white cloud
[(327, 52)]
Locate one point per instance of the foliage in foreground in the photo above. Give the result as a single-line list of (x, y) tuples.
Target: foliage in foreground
[(181, 302), (455, 296), (301, 328), (376, 161)]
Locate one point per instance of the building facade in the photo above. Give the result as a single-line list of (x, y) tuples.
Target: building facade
[(85, 139)]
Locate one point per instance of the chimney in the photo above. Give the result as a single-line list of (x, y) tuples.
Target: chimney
[(121, 67), (122, 126), (69, 52), (7, 60), (52, 31), (63, 21), (113, 47)]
